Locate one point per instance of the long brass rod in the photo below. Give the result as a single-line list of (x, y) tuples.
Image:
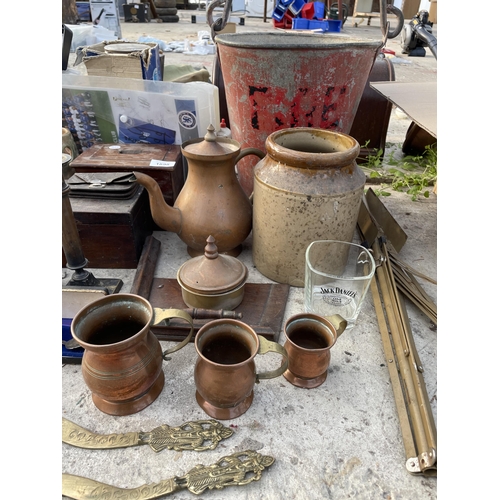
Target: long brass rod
[(404, 366), (396, 382), (425, 406), (408, 360)]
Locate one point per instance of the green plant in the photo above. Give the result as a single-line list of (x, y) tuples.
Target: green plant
[(410, 174)]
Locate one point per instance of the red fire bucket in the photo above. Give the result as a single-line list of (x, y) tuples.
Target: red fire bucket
[(284, 80)]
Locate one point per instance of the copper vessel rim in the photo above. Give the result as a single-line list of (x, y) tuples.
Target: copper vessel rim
[(97, 304), (308, 317), (225, 322)]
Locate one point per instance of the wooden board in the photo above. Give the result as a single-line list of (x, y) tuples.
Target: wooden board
[(417, 100), (263, 305), (263, 308)]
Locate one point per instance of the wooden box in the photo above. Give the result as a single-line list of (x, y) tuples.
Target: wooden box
[(112, 232), (162, 162)]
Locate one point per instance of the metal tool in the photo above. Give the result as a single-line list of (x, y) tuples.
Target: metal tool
[(199, 435), (237, 469), (405, 368)]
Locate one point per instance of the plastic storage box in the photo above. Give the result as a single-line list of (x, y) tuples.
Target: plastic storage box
[(313, 10), (298, 23), (334, 25), (315, 24), (296, 6), (279, 12)]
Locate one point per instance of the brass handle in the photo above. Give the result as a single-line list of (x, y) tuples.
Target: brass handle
[(339, 324), (248, 151), (269, 346), (161, 314)]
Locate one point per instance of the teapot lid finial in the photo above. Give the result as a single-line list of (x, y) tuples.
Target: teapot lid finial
[(210, 135)]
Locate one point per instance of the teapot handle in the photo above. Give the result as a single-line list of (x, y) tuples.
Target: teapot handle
[(245, 152), (249, 151)]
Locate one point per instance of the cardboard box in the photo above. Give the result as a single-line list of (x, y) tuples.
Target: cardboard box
[(121, 59)]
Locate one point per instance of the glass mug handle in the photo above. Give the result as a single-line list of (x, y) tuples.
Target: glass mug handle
[(269, 346), (161, 314)]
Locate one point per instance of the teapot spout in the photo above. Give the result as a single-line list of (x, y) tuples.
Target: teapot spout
[(167, 217)]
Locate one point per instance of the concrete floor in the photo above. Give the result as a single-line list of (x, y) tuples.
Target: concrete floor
[(341, 440)]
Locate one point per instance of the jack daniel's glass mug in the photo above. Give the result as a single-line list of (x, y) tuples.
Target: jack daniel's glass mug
[(337, 277)]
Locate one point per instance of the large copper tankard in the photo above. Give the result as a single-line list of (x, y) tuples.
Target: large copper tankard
[(123, 361)]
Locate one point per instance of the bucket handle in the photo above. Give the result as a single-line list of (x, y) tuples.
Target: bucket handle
[(220, 23)]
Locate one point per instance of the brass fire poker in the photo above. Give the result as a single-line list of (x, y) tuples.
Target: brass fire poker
[(405, 368), (199, 435), (233, 470), (82, 280)]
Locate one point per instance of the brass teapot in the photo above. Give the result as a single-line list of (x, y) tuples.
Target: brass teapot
[(211, 202)]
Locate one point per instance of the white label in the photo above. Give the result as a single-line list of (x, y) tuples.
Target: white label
[(160, 163)]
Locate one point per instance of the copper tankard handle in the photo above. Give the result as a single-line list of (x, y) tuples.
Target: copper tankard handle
[(339, 323), (269, 346), (161, 314)]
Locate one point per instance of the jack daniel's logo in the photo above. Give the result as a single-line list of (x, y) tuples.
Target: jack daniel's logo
[(337, 295), (337, 290)]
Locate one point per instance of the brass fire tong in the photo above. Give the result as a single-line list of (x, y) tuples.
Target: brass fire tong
[(237, 469), (199, 435), (405, 368)]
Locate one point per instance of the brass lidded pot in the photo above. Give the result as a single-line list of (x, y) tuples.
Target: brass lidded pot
[(212, 280)]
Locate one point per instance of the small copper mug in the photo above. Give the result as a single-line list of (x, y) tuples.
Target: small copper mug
[(225, 372), (309, 338), (123, 361)]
